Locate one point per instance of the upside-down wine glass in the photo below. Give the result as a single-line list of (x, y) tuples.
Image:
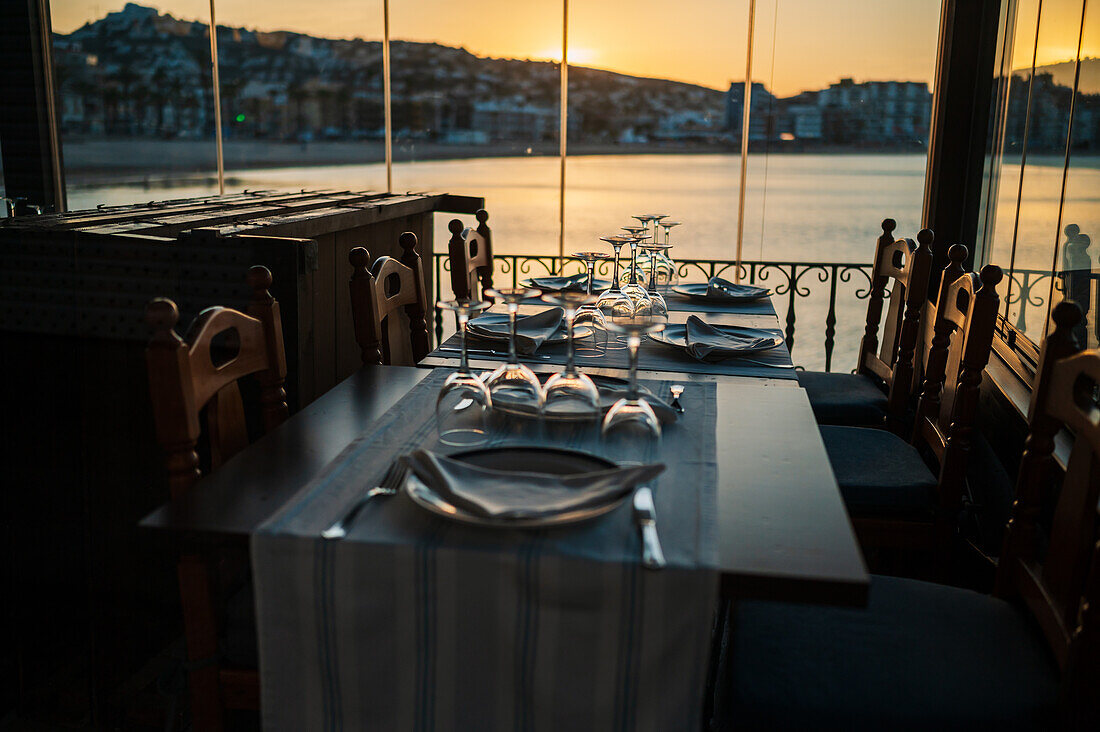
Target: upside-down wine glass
[(666, 275), (462, 407), (588, 312), (570, 394), (633, 287), (632, 415), (514, 386), (609, 295), (655, 251), (641, 233)]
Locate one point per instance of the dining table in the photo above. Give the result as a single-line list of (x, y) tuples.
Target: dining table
[(748, 506)]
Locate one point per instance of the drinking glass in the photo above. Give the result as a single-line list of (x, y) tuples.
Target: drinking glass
[(588, 312), (633, 287), (611, 294), (570, 394), (462, 407), (666, 272), (514, 387), (632, 415), (657, 300)]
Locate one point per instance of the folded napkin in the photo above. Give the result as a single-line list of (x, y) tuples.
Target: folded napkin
[(707, 343), (531, 330), (521, 495), (574, 282), (724, 290)]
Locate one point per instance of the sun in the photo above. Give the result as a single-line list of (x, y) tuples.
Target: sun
[(576, 55)]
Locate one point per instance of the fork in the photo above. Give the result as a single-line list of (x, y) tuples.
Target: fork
[(391, 481)]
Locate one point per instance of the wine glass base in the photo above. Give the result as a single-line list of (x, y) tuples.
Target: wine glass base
[(464, 437)]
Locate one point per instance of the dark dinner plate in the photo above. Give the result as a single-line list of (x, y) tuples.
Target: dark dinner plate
[(675, 335), (553, 284), (698, 291), (549, 460)]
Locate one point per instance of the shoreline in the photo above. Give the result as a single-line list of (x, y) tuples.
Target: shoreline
[(98, 162)]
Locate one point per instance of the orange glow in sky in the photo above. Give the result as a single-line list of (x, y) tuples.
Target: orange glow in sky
[(813, 42)]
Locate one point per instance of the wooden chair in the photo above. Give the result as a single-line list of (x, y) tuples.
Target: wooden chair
[(193, 383), (884, 376), (894, 499), (470, 252), (927, 656), (377, 292)]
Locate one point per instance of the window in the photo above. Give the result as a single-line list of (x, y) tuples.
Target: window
[(1041, 205)]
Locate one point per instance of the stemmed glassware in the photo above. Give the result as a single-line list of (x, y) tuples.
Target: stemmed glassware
[(632, 415), (588, 312), (633, 288), (657, 300), (570, 394), (462, 407), (610, 295), (666, 268), (514, 387)]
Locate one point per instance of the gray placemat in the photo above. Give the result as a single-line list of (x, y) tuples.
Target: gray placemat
[(687, 448), (651, 357)]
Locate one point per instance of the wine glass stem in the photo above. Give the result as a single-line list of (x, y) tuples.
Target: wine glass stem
[(633, 264), (591, 276), (570, 365), (615, 279), (464, 364), (633, 341), (512, 308)]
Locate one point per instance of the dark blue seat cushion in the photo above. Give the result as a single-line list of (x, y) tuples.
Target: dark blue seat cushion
[(879, 473), (920, 656), (844, 399)]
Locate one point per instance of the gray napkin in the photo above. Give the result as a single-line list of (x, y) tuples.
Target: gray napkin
[(707, 343), (721, 289), (521, 495), (531, 330)]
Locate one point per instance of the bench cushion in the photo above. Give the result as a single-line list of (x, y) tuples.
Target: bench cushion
[(844, 399)]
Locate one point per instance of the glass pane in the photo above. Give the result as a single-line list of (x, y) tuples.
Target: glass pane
[(135, 100), (301, 93), (1077, 269), (658, 134), (1040, 191), (476, 97), (1000, 236), (843, 147)]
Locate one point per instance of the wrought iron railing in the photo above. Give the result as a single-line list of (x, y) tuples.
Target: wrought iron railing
[(822, 292)]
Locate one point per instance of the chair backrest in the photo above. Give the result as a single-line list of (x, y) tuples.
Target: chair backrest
[(378, 291), (470, 252), (1061, 586), (904, 266), (956, 256), (947, 411), (188, 375)]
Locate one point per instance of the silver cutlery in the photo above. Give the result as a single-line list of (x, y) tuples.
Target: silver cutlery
[(391, 481), (677, 390), (739, 359), (646, 516)]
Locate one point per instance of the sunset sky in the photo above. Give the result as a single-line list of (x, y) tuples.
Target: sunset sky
[(816, 42)]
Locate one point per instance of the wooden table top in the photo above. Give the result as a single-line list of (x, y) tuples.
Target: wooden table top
[(783, 529)]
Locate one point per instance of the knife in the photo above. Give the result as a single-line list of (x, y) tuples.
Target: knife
[(646, 516)]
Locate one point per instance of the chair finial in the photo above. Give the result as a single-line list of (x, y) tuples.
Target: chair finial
[(925, 237), (1072, 230), (259, 279), (407, 241), (455, 226), (957, 254), (888, 226), (162, 314), (990, 276), (359, 258), (482, 216), (1067, 314)]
